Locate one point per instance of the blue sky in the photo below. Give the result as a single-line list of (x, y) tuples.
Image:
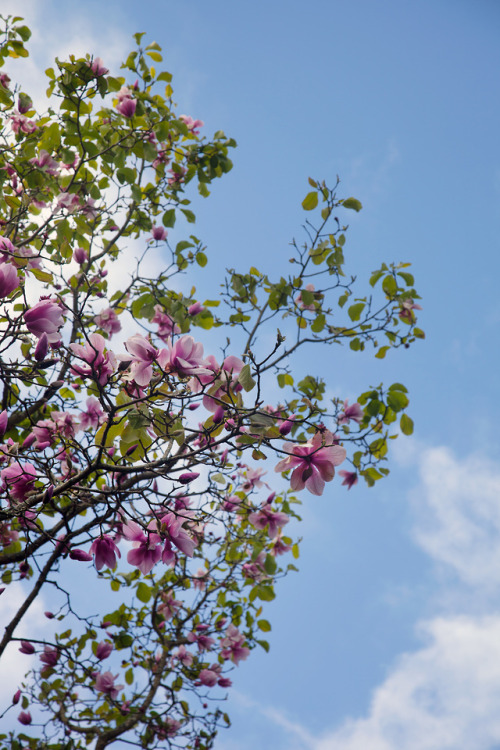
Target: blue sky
[(388, 638)]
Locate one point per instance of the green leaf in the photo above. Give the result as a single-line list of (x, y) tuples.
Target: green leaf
[(418, 333), (408, 277), (143, 592), (355, 311), (266, 593), (264, 625), (245, 378), (406, 424), (189, 215), (129, 676), (310, 201), (318, 323), (382, 352), (397, 400), (201, 259), (389, 285), (352, 203)]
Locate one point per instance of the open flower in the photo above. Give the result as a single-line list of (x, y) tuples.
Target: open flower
[(105, 683), (99, 365), (354, 412), (313, 463)]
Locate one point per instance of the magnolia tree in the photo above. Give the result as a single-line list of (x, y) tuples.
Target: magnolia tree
[(133, 498)]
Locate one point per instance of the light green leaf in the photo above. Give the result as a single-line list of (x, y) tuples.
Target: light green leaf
[(310, 201)]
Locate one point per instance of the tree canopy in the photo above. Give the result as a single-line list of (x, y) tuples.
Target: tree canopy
[(137, 418)]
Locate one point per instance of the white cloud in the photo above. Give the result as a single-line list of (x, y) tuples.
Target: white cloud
[(444, 695), (458, 516)]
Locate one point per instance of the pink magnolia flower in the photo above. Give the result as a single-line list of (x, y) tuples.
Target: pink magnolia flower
[(97, 67), (27, 648), (105, 683), (99, 365), (204, 642), (4, 419), (192, 125), (350, 478), (144, 353), (169, 606), (232, 645), (45, 317), (147, 550), (209, 677), (46, 163), (171, 527), (25, 718), (21, 124), (195, 308), (16, 697), (126, 103), (185, 357), (19, 479), (406, 313), (253, 479), (184, 656), (41, 348), (313, 463), (44, 431), (354, 412), (166, 326), (93, 416), (105, 551), (274, 520), (104, 648), (9, 280), (108, 321), (158, 233), (80, 555), (80, 255), (50, 658)]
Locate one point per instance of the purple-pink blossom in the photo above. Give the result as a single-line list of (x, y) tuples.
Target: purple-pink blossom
[(105, 683), (126, 103), (108, 321), (9, 280), (93, 416), (105, 551), (97, 67), (192, 125), (27, 648), (274, 520), (45, 317), (25, 718), (103, 650), (313, 463), (232, 645), (99, 365), (158, 233), (354, 412), (147, 550), (350, 478), (166, 326), (19, 479), (185, 357), (144, 354)]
